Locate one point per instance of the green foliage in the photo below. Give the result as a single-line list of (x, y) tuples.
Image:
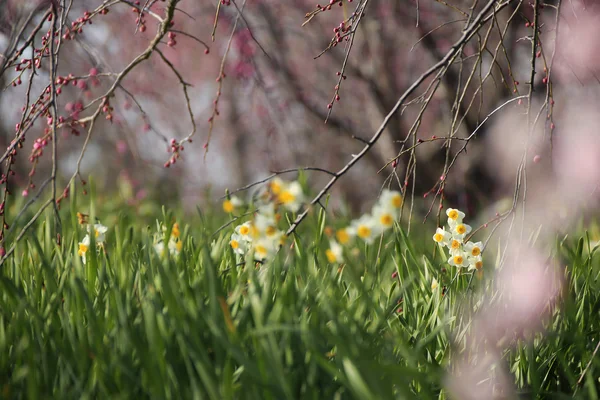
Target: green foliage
[(130, 324)]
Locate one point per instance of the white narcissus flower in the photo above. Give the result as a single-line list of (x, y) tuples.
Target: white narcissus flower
[(244, 231), (230, 204), (391, 199), (238, 244), (473, 249), (291, 196), (265, 225), (364, 228), (263, 248), (344, 235), (442, 236), (175, 246), (159, 247), (475, 263), (458, 260), (84, 246), (455, 245), (99, 232), (334, 253), (434, 284), (455, 217), (459, 231), (384, 217)]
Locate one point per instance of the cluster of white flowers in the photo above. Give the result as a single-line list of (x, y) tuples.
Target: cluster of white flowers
[(369, 226), (99, 232), (461, 254), (288, 195), (261, 236), (173, 246)]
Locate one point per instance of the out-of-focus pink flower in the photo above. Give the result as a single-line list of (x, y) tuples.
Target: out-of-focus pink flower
[(527, 290), (480, 375), (577, 57), (577, 155), (141, 194), (122, 147), (528, 287)]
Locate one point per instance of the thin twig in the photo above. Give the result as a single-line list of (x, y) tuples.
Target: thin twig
[(276, 173)]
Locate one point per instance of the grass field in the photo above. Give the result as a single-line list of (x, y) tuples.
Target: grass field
[(130, 323)]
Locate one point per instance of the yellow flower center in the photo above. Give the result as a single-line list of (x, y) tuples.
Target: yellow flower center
[(275, 188), (330, 256), (271, 230), (438, 237), (386, 220), (434, 284), (244, 230), (397, 201), (96, 233), (83, 248), (261, 250), (286, 197), (476, 251), (342, 236), (461, 229), (458, 260), (228, 206), (234, 244), (175, 232), (453, 215), (478, 265), (363, 232), (455, 245), (179, 245)]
